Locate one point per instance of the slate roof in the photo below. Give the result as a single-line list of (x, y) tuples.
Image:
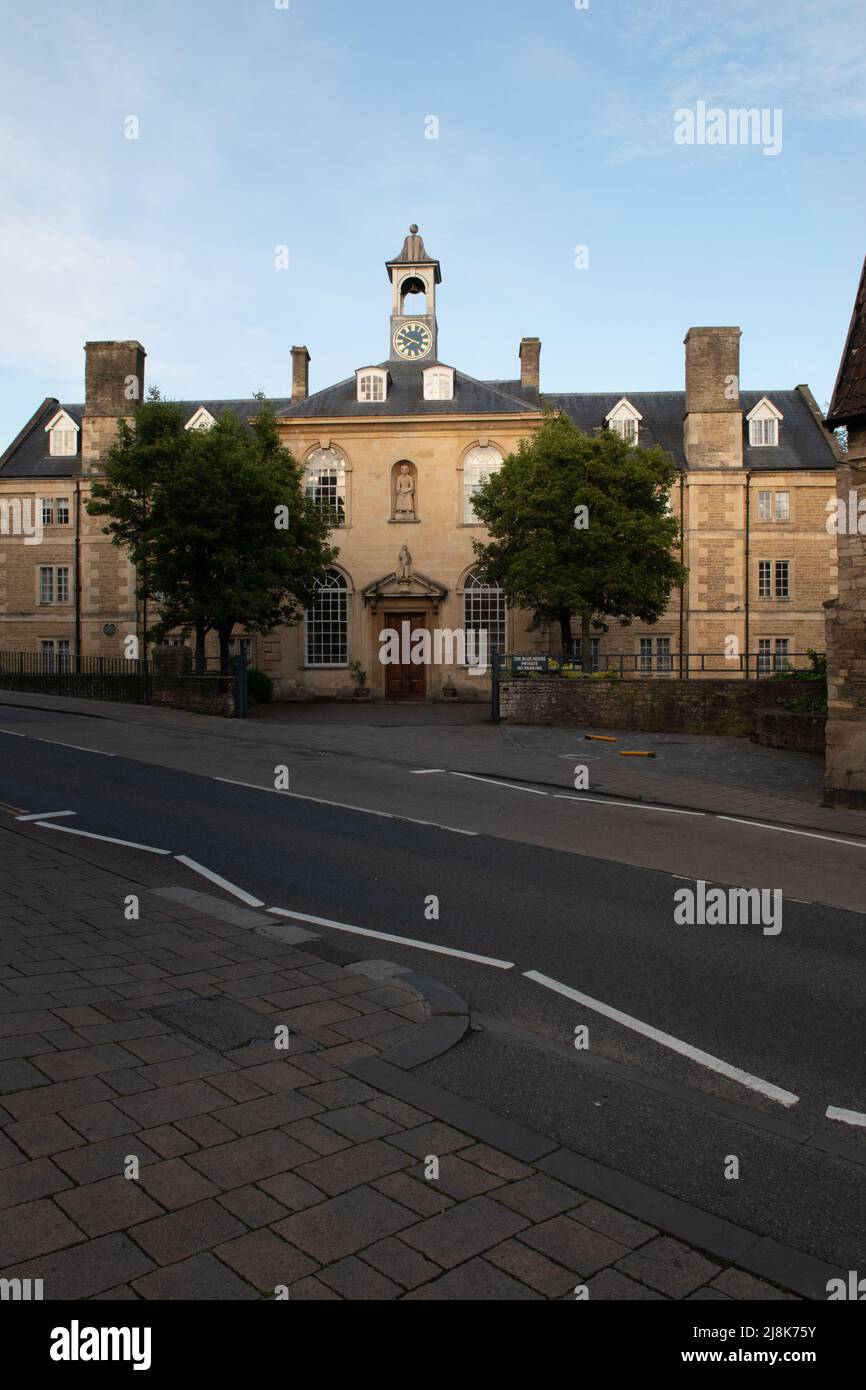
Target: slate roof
[(803, 443), (849, 397)]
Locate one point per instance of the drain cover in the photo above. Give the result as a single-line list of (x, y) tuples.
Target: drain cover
[(220, 1023)]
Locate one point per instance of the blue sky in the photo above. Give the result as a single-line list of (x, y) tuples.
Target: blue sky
[(305, 127)]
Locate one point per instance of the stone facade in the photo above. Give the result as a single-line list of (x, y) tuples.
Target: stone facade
[(728, 542)]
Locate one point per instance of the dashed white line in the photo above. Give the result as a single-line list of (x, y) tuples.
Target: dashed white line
[(695, 1054), (397, 940), (45, 815), (425, 771), (847, 1117), (629, 805), (219, 880), (342, 805), (494, 782), (786, 830), (108, 839)]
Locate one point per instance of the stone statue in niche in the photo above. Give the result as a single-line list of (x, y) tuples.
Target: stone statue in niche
[(404, 564), (404, 507)]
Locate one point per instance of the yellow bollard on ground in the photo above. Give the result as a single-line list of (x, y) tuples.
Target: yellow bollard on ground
[(631, 754)]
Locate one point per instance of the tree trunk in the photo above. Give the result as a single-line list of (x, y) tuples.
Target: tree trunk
[(224, 636), (200, 634), (585, 644), (565, 632)]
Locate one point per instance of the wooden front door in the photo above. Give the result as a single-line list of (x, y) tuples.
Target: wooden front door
[(406, 681)]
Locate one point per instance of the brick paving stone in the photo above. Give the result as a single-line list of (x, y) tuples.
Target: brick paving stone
[(107, 1159), (344, 1225), (200, 1277), (265, 1260), (463, 1231), (237, 1087), (422, 1197), (292, 1192), (600, 1217), (254, 1207), (126, 1082), (359, 1122), (462, 1180), (168, 1141), (62, 1095), (174, 1184), (206, 1130), (250, 1159), (532, 1268), (162, 1048), (35, 1021), (313, 1016), (84, 1271), (433, 1138), (475, 1281), (121, 1293), (669, 1266), (706, 1294), (79, 1017), (168, 1239), (34, 1228), (86, 1061), (277, 1075), (737, 1284), (61, 1040), (346, 1052), (401, 1113), (353, 1279), (16, 1074), (173, 1103), (539, 1197), (27, 1181), (361, 1164), (279, 1109), (9, 1152), (366, 1027), (574, 1246), (316, 1136), (334, 1095), (400, 1262), (112, 1204), (495, 1162), (311, 1290), (46, 1135), (317, 1067), (101, 1120), (181, 1069), (25, 1045), (611, 1285)]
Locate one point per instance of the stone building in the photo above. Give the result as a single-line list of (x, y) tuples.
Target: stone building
[(846, 616), (396, 451)]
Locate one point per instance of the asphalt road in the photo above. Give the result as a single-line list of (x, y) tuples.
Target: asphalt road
[(785, 1009)]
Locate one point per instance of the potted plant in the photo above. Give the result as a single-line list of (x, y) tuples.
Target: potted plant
[(359, 676)]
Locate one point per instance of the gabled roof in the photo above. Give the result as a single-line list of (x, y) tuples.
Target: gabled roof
[(28, 456), (848, 406)]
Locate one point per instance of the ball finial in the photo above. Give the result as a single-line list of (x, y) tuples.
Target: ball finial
[(414, 229)]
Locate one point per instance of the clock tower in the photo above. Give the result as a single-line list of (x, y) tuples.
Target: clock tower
[(414, 333)]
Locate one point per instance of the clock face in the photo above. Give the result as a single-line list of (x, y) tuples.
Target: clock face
[(413, 340)]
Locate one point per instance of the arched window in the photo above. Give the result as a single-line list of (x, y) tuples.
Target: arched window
[(327, 623), (326, 484), (478, 465), (485, 610)]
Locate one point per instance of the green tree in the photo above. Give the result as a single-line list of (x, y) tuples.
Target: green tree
[(225, 536), (612, 561)]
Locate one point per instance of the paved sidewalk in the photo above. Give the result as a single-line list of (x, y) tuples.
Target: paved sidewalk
[(156, 1144), (725, 776)]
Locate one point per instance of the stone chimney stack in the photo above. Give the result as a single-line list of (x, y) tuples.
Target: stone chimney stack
[(300, 374), (530, 363), (113, 387), (713, 428)]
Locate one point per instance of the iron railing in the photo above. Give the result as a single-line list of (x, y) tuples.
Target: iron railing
[(88, 677), (672, 665)]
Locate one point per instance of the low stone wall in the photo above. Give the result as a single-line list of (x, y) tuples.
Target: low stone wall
[(200, 694), (651, 706), (800, 733)]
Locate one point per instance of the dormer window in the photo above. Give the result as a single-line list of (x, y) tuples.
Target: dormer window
[(439, 384), (201, 420), (372, 384), (62, 434), (764, 423), (625, 420)]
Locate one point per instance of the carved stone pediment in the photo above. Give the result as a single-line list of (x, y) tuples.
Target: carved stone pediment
[(417, 586)]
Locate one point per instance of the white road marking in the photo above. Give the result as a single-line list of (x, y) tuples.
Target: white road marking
[(424, 771), (630, 805), (705, 1059), (46, 815), (493, 782), (397, 940), (848, 1117), (109, 839), (55, 743), (222, 882), (341, 805), (14, 735), (786, 830)]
